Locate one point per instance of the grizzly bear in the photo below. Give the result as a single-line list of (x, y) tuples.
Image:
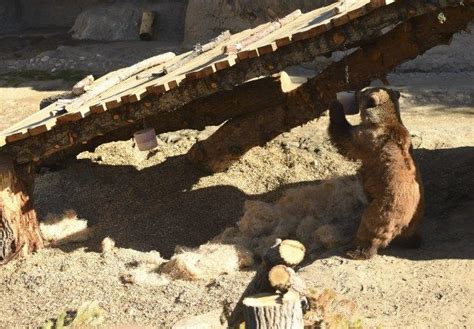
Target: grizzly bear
[(390, 178)]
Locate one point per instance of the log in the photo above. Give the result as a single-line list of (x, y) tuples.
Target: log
[(370, 62), (287, 252), (19, 231), (82, 86), (264, 311), (283, 278), (146, 27)]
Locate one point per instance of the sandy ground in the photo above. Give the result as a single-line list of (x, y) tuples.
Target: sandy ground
[(156, 201)]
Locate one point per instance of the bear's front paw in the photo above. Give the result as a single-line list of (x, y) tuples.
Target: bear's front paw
[(336, 112), (361, 253)]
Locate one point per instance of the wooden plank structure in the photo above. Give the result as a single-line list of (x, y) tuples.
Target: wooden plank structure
[(233, 79)]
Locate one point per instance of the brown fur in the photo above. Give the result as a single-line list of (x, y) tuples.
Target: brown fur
[(389, 175)]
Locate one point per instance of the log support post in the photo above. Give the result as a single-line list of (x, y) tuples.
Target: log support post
[(19, 231)]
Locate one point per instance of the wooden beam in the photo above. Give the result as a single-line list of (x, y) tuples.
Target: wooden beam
[(308, 101)]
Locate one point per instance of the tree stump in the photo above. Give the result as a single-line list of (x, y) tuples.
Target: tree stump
[(273, 311), (146, 27), (19, 231), (287, 253)]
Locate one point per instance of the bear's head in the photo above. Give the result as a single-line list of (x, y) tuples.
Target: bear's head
[(379, 105)]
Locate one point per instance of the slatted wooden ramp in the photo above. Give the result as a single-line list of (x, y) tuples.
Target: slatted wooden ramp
[(261, 51)]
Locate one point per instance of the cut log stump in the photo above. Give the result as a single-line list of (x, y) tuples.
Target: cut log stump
[(273, 311), (19, 231), (283, 278), (287, 253), (146, 27)]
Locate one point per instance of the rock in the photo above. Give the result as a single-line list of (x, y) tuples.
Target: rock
[(45, 59), (210, 320), (108, 22)]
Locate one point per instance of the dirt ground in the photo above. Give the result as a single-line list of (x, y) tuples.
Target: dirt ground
[(155, 201)]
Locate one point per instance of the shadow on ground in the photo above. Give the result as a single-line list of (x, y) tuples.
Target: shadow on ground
[(155, 208)]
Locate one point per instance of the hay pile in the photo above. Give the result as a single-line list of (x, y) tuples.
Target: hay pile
[(60, 229), (320, 216), (208, 261)]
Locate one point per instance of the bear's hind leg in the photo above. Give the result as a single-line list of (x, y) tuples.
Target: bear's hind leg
[(375, 231)]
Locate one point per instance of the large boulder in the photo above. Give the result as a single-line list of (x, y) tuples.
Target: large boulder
[(108, 22)]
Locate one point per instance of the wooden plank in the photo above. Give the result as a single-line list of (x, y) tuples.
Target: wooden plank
[(157, 89), (267, 49), (222, 65), (37, 130), (137, 96), (312, 33), (16, 137), (282, 42), (340, 20), (173, 84), (97, 108), (356, 13), (207, 71), (70, 117), (113, 104), (125, 99)]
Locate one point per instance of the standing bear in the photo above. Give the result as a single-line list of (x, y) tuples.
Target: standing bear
[(389, 175)]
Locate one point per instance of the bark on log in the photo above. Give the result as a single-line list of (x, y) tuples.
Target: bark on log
[(311, 99), (82, 86), (273, 311), (19, 231), (146, 27)]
